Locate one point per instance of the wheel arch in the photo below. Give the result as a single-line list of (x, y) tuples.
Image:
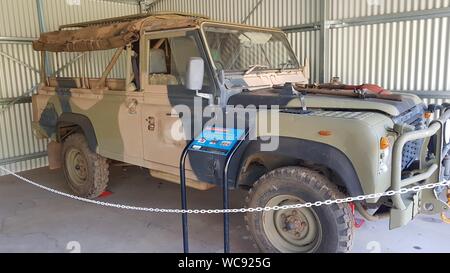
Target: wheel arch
[(327, 159), (83, 123)]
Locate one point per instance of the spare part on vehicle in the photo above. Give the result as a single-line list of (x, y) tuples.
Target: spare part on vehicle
[(356, 93)]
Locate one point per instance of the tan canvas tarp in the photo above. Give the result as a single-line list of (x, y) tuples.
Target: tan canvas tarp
[(108, 36)]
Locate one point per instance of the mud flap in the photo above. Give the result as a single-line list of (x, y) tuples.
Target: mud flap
[(54, 155), (400, 218)]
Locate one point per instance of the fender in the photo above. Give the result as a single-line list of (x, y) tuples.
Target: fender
[(296, 151), (85, 125)]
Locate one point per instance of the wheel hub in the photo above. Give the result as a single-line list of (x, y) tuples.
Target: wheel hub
[(294, 224), (76, 166), (293, 230)]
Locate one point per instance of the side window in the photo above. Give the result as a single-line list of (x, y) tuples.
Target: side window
[(168, 60)]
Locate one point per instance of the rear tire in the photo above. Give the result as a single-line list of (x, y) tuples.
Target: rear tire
[(86, 172), (324, 229)]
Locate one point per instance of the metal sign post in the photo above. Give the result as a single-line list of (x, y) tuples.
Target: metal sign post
[(223, 143), (184, 198)]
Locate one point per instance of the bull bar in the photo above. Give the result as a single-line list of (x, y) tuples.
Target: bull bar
[(397, 182)]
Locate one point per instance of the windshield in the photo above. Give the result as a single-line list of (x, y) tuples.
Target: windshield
[(247, 50)]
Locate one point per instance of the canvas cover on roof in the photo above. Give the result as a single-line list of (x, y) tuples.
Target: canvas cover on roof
[(110, 35)]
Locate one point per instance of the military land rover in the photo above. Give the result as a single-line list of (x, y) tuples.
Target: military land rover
[(334, 140)]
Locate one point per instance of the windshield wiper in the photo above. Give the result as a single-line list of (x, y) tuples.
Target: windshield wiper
[(253, 67)]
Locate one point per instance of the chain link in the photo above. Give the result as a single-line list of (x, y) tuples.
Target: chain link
[(234, 211)]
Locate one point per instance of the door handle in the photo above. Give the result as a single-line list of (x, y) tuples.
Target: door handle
[(172, 115), (131, 105)]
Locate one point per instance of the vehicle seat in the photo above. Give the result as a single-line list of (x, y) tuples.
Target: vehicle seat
[(158, 69)]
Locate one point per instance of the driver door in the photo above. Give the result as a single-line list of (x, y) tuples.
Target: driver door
[(165, 135)]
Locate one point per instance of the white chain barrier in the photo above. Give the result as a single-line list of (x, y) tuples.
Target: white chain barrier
[(233, 211)]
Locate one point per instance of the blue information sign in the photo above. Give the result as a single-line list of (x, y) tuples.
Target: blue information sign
[(216, 140)]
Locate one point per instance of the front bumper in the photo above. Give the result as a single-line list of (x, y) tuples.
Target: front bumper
[(431, 171)]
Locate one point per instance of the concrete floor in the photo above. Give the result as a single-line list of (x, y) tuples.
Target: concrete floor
[(32, 220)]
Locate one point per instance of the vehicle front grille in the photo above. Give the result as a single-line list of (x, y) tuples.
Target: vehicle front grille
[(411, 151)]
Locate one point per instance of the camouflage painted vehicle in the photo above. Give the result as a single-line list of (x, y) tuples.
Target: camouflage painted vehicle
[(334, 140)]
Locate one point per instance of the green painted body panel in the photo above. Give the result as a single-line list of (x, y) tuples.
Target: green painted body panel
[(356, 134)]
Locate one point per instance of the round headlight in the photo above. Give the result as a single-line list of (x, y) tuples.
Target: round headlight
[(447, 133)]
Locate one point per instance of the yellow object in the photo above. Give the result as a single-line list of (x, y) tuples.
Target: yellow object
[(384, 143), (444, 217)]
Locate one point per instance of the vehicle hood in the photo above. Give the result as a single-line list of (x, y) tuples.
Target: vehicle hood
[(273, 97)]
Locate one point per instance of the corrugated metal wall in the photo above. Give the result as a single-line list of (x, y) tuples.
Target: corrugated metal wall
[(19, 66), (410, 55), (341, 9), (268, 13)]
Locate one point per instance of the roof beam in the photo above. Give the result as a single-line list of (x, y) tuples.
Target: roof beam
[(131, 2)]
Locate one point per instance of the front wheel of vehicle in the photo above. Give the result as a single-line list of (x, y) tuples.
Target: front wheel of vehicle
[(324, 229)]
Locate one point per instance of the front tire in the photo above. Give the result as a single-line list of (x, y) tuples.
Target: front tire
[(324, 229), (86, 172)]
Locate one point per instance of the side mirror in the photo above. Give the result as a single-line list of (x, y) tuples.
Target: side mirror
[(194, 74)]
